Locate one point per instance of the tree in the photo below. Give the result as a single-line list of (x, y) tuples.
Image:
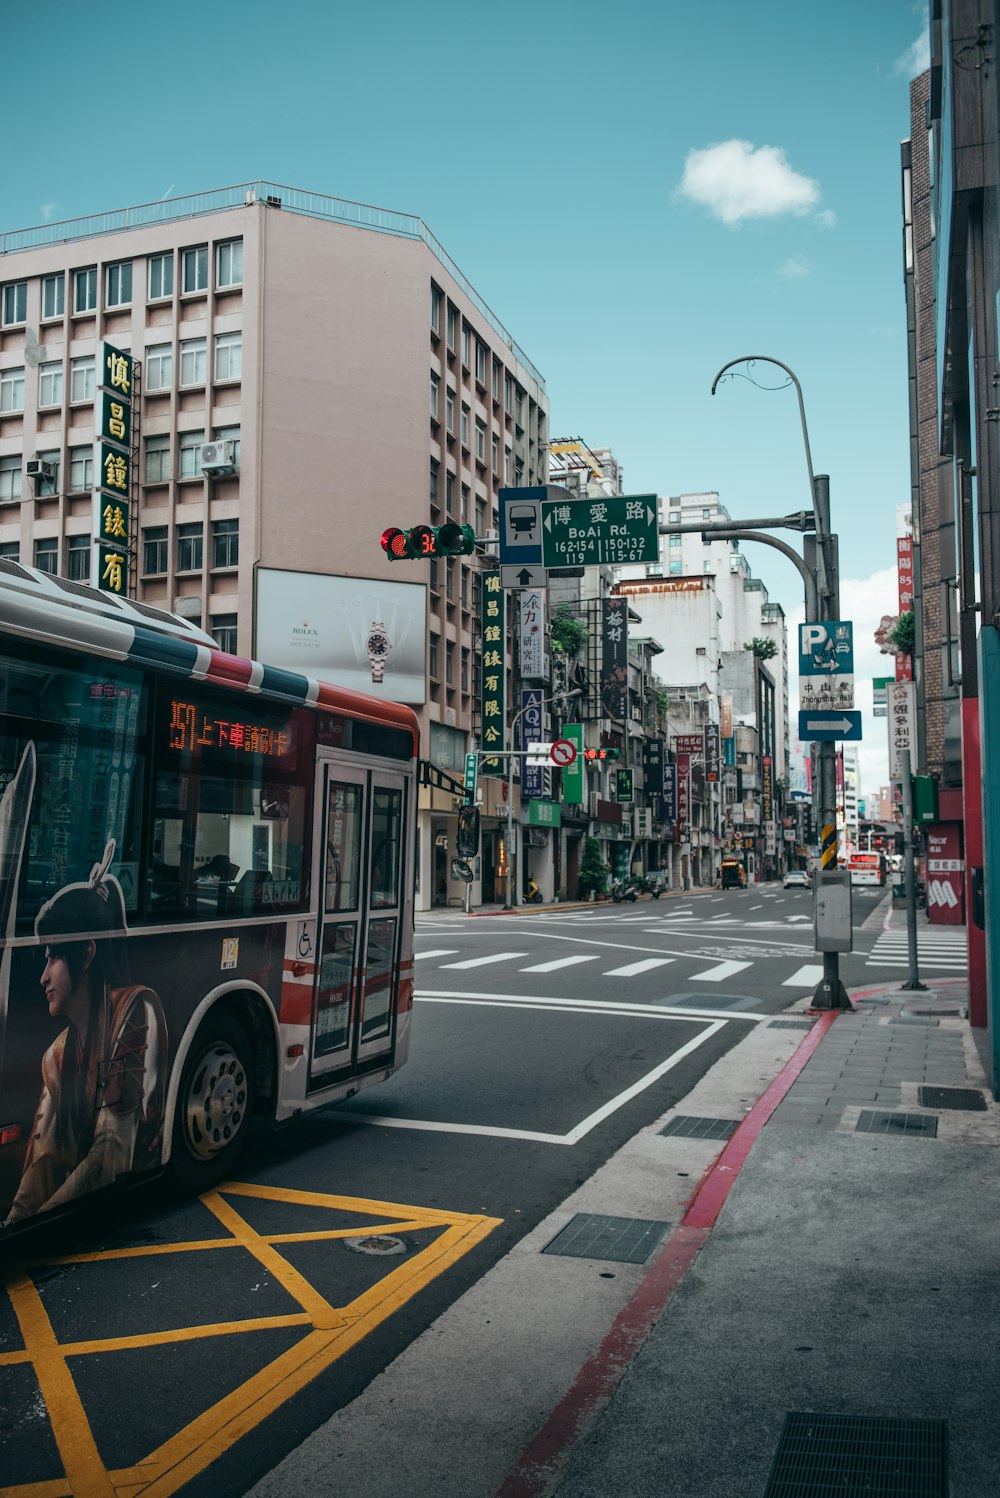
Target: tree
[(567, 632), (593, 870), (764, 650), (903, 632)]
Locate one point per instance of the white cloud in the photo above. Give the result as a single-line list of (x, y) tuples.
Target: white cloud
[(794, 269), (916, 59), (826, 218), (48, 211), (863, 601), (736, 180)]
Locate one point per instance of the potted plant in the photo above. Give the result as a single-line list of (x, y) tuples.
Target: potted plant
[(594, 871)]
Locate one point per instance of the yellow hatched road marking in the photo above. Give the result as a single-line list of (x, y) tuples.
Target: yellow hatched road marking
[(336, 1329)]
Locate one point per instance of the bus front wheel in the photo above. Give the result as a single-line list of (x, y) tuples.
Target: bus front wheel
[(214, 1103)]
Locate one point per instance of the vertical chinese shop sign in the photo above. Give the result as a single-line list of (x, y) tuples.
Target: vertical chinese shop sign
[(614, 658), (572, 775), (494, 672), (112, 470)]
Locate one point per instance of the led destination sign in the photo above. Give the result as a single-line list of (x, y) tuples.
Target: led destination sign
[(192, 728)]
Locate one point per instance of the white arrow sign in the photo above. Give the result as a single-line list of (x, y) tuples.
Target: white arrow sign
[(818, 724)]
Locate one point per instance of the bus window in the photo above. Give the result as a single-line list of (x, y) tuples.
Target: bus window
[(386, 826), (343, 847), (334, 988), (379, 959)]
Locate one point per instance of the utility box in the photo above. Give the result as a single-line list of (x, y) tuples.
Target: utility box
[(925, 798), (832, 911)]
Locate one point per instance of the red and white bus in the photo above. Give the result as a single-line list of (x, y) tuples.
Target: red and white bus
[(867, 868), (206, 895)]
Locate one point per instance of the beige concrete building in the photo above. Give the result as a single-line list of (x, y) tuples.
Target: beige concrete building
[(312, 371)]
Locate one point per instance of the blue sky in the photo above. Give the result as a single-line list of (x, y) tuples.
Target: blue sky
[(641, 192)]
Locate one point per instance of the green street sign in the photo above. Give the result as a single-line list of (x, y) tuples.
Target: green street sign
[(471, 761), (593, 532), (544, 814), (572, 775)]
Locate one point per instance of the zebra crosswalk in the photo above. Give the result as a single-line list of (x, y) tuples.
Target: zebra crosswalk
[(715, 971), (940, 947)]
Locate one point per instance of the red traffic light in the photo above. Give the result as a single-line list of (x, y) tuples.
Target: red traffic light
[(449, 540), (395, 544), (601, 753)]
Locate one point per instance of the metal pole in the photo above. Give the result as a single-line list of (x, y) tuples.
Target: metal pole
[(913, 983), (509, 903)]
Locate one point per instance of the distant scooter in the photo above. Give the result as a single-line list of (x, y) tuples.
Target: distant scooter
[(532, 895), (624, 889), (649, 884)]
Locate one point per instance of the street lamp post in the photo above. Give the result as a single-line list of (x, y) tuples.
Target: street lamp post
[(512, 754), (823, 603)]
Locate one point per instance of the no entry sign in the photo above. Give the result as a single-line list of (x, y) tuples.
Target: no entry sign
[(563, 752)]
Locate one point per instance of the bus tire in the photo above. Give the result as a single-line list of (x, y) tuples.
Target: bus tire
[(214, 1104)]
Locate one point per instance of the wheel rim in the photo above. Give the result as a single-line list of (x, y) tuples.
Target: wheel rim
[(216, 1104)]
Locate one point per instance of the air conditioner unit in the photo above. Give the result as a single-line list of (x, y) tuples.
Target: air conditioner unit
[(492, 536), (217, 457), (592, 806), (38, 468)]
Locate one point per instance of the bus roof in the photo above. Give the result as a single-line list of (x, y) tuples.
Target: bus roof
[(55, 611)]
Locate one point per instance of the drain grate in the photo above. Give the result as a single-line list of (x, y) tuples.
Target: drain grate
[(790, 1024), (860, 1456), (967, 1099), (910, 1124), (915, 1019), (622, 1240), (685, 1127)]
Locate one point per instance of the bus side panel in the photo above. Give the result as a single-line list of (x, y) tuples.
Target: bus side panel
[(86, 1069)]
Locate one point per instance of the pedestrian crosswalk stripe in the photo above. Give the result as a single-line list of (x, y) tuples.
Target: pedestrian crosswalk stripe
[(717, 974), (484, 961), (631, 969), (441, 952), (558, 962), (806, 976)]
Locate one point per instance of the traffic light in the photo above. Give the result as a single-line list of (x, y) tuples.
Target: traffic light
[(448, 540), (602, 754)]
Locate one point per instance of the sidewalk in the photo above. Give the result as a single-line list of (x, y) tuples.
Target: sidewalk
[(847, 1274)]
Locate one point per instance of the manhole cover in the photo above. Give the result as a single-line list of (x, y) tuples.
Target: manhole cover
[(910, 1124), (860, 1456), (622, 1240), (685, 1127), (965, 1098), (375, 1243)]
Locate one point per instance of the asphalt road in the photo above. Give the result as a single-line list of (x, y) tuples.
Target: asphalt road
[(541, 1043)]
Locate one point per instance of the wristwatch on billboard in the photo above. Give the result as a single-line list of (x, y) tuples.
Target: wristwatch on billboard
[(378, 650)]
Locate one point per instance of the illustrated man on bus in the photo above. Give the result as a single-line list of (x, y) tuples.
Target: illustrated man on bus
[(100, 1114)]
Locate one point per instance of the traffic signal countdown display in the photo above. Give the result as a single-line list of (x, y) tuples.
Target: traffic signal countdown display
[(449, 540), (599, 754)]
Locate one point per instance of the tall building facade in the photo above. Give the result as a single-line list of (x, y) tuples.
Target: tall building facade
[(311, 372)]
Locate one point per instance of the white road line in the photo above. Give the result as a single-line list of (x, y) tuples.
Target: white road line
[(716, 974), (806, 976), (631, 968), (485, 961), (441, 952), (558, 962), (756, 907), (629, 1009)]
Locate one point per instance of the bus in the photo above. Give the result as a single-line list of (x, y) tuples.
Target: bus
[(206, 895), (867, 868)]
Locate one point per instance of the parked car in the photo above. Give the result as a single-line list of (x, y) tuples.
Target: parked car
[(797, 879)]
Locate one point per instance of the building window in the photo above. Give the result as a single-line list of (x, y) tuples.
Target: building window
[(189, 446), (118, 284), (518, 473), (675, 566), (465, 426), (466, 344), (78, 558), (497, 379), (706, 567), (154, 550), (47, 555), (194, 361), (81, 469), (481, 363), (506, 465), (228, 356), (81, 379), (706, 514), (449, 410), (451, 323), (50, 384), (223, 632), (225, 543), (449, 663), (189, 544), (432, 665), (449, 495), (12, 389), (10, 478), (432, 575), (229, 264), (496, 453), (85, 290), (229, 434), (464, 588), (480, 440), (480, 516), (519, 406), (675, 542), (157, 468), (15, 303), (47, 485), (159, 367), (53, 296), (194, 269), (10, 551), (435, 397), (465, 669), (675, 517), (508, 393), (465, 504), (437, 296), (449, 579), (434, 469), (161, 276)]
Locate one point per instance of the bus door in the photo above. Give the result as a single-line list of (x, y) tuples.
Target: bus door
[(361, 859)]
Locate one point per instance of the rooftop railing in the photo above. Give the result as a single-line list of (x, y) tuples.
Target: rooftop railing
[(245, 194)]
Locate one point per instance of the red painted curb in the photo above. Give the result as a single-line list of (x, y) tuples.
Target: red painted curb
[(596, 1382)]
